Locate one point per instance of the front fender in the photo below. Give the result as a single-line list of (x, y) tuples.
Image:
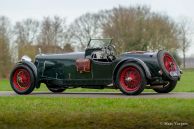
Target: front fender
[(136, 60), (33, 68)]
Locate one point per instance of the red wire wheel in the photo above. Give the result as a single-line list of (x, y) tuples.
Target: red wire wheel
[(169, 63), (131, 79), (22, 79)]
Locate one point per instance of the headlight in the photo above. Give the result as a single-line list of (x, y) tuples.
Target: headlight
[(26, 58)]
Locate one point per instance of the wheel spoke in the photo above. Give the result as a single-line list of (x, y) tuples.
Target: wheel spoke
[(21, 79), (169, 63), (130, 78)]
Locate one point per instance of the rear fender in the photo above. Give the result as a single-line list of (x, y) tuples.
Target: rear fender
[(135, 60)]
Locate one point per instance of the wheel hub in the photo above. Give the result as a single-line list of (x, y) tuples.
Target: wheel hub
[(128, 79)]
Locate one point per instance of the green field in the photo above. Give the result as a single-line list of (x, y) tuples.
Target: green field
[(186, 84), (30, 112), (99, 113)]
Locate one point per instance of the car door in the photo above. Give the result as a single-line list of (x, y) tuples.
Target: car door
[(102, 70)]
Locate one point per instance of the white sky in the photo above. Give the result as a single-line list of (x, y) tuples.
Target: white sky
[(18, 10)]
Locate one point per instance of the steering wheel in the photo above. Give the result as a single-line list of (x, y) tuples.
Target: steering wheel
[(110, 52)]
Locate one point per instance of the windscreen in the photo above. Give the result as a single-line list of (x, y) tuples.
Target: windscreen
[(99, 43)]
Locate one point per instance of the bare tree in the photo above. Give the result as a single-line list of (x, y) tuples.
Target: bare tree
[(161, 33), (137, 28), (45, 36), (68, 48), (52, 34), (184, 37), (126, 27), (26, 33), (85, 27), (5, 56)]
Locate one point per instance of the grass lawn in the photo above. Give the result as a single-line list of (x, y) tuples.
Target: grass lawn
[(23, 112), (30, 112), (186, 84)]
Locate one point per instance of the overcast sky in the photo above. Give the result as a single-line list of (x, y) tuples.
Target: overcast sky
[(18, 10)]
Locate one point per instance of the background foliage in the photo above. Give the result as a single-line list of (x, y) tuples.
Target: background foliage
[(132, 28)]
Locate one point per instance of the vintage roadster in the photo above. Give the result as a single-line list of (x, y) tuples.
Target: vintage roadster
[(98, 67)]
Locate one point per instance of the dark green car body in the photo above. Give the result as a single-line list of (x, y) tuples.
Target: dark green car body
[(61, 70)]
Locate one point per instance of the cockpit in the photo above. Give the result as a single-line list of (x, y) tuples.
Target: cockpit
[(101, 50)]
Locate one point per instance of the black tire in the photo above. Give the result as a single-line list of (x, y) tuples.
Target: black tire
[(168, 88), (139, 74), (55, 89), (28, 79)]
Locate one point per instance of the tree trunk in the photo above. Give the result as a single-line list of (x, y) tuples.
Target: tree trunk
[(184, 63)]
